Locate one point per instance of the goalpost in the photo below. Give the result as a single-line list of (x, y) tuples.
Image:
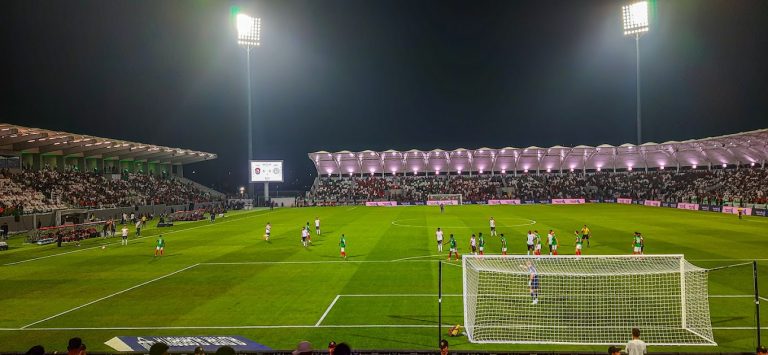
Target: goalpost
[(447, 198), (594, 299)]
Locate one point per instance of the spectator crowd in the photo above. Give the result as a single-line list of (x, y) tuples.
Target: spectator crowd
[(696, 186), (40, 191)]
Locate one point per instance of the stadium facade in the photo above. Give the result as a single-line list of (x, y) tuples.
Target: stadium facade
[(36, 148), (745, 148)]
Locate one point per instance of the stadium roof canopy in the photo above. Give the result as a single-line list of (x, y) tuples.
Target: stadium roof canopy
[(15, 140), (734, 149)]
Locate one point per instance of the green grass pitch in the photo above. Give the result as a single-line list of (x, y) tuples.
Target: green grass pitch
[(223, 278)]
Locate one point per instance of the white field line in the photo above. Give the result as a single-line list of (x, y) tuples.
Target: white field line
[(316, 262), (419, 257), (239, 327), (99, 246), (452, 264), (108, 296), (404, 295), (327, 310), (278, 327)]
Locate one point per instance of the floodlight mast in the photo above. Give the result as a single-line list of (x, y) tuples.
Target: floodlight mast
[(636, 22), (249, 37)]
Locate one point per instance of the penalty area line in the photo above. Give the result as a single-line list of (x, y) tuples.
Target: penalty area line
[(108, 296), (327, 310)]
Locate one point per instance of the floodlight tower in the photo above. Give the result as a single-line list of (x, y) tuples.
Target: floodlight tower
[(635, 24), (249, 37)]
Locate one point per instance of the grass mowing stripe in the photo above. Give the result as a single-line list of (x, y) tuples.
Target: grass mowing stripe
[(327, 310), (108, 296), (283, 327), (239, 327), (151, 235)]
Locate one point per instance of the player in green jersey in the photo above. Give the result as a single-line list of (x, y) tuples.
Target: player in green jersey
[(579, 242), (536, 243), (503, 244), (160, 246), (637, 244), (343, 246), (452, 248), (554, 244), (481, 243)]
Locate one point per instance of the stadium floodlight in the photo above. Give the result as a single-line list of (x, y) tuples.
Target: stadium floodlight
[(577, 299), (636, 22), (248, 30), (635, 18), (249, 37)]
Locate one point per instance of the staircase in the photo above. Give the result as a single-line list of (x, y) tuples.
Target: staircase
[(202, 187)]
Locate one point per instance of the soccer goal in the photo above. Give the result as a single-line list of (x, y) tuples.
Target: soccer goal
[(448, 199), (594, 300)]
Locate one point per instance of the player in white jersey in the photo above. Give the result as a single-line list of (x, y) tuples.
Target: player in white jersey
[(304, 236), (529, 242), (317, 225), (550, 235), (473, 244), (267, 231), (439, 236), (492, 222)]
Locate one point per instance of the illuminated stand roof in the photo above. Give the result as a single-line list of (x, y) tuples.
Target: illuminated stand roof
[(746, 148), (17, 139)]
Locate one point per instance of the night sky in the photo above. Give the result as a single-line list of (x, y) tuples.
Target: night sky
[(353, 74)]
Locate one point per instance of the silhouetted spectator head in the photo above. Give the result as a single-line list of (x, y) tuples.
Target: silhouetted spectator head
[(342, 349), (75, 344), (303, 348), (36, 350), (158, 349), (225, 350)]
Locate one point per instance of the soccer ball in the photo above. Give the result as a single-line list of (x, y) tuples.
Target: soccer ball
[(103, 247)]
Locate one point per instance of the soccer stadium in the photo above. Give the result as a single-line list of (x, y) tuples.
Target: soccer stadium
[(150, 228)]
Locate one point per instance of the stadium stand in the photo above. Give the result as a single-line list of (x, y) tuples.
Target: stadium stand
[(44, 173), (98, 191), (720, 186), (717, 170)]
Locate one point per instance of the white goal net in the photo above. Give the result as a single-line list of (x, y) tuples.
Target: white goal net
[(585, 299)]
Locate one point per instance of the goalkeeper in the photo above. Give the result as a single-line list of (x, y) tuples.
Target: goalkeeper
[(533, 281)]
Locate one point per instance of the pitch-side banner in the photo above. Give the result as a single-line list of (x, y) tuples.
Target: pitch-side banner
[(652, 203), (735, 210), (185, 343), (442, 202), (688, 206), (381, 203), (503, 202), (567, 201), (626, 201)]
